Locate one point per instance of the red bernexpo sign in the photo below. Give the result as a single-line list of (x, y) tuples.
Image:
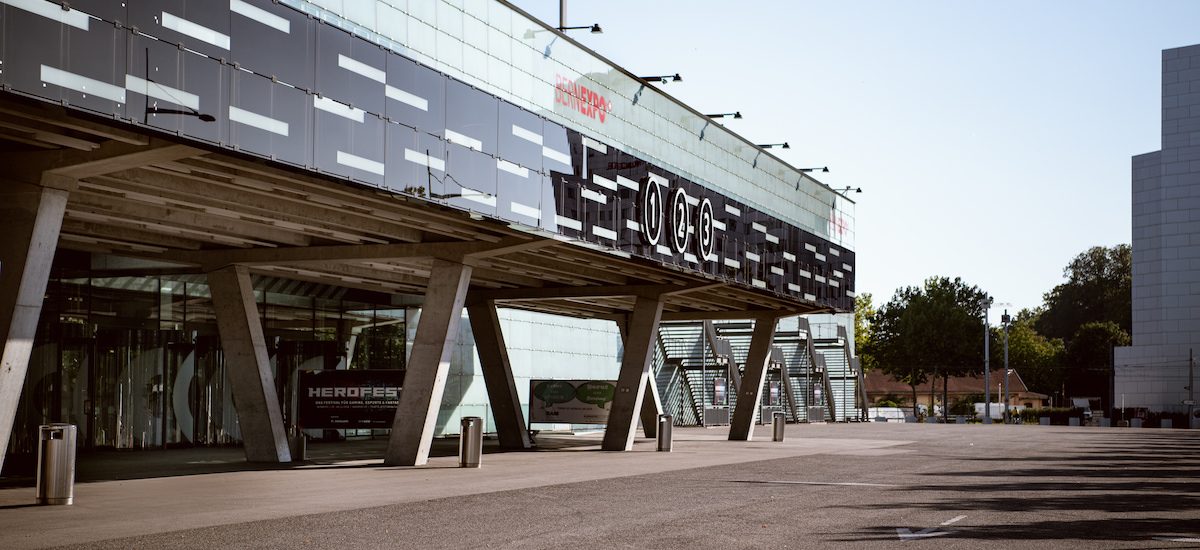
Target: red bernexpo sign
[(578, 97)]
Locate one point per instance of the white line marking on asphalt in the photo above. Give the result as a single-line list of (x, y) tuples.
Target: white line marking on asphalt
[(1177, 538), (847, 483), (908, 534), (953, 520)]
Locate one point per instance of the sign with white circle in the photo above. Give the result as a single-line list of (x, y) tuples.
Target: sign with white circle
[(706, 237), (652, 210), (681, 220)]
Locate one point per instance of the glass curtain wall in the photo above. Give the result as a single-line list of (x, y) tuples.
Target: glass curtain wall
[(136, 362)]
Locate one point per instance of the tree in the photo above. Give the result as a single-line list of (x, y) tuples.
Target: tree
[(863, 310), (1088, 359), (928, 331), (1036, 358), (1098, 288)]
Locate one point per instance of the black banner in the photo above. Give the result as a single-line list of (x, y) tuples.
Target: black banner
[(349, 399)]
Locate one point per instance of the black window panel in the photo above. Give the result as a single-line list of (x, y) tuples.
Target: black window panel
[(97, 53), (549, 204), (209, 79), (272, 52), (526, 191), (337, 82), (470, 181), (251, 93), (260, 96), (147, 16), (157, 63), (37, 41), (428, 88), (516, 122), (407, 171), (569, 204), (335, 134), (472, 113), (107, 10), (293, 107), (555, 138)]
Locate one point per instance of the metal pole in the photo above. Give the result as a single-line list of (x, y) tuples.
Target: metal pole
[(562, 13), (1191, 386), (1006, 319), (987, 370)]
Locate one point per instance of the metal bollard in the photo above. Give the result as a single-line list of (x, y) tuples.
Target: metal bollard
[(470, 442), (778, 423), (56, 464), (665, 423)]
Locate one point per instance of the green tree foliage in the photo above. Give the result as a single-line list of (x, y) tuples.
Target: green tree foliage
[(1037, 359), (863, 310), (930, 330), (1098, 288), (1091, 346)]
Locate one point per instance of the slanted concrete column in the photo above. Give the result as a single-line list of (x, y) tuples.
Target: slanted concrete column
[(248, 366), (428, 365), (32, 218), (635, 371), (498, 376), (651, 402), (750, 391)]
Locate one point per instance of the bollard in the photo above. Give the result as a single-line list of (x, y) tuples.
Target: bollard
[(56, 464), (470, 442), (778, 422), (298, 446), (664, 432)]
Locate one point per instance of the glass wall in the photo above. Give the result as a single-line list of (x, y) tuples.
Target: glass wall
[(136, 362), (500, 49)]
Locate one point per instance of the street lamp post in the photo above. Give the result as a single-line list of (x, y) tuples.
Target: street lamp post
[(1006, 320), (987, 372)]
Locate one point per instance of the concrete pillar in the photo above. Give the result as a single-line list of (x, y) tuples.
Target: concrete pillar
[(32, 218), (651, 402), (498, 376), (750, 391), (627, 402), (428, 364), (248, 366)]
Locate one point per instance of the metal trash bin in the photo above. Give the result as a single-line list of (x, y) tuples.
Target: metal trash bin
[(56, 464), (778, 424), (665, 424), (470, 442)]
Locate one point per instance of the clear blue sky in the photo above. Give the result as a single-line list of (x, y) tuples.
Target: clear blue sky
[(991, 139)]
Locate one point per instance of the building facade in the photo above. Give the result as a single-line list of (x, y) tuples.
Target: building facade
[(208, 199), (1155, 371)]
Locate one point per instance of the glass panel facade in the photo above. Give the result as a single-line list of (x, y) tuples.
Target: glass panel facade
[(548, 137), (136, 362)]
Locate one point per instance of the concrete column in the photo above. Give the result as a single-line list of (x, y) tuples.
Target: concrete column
[(428, 364), (248, 365), (498, 376), (32, 218), (750, 391), (635, 370), (651, 402)]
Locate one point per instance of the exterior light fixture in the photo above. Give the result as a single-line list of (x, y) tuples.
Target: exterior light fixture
[(663, 79), (595, 28), (824, 169), (848, 189), (783, 145), (737, 114)]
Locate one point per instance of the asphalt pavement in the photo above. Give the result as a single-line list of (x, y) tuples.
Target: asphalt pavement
[(837, 485)]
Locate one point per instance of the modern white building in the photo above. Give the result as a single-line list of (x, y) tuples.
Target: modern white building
[(1154, 372)]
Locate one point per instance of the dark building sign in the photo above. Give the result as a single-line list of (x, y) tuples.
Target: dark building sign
[(267, 80), (351, 399)]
